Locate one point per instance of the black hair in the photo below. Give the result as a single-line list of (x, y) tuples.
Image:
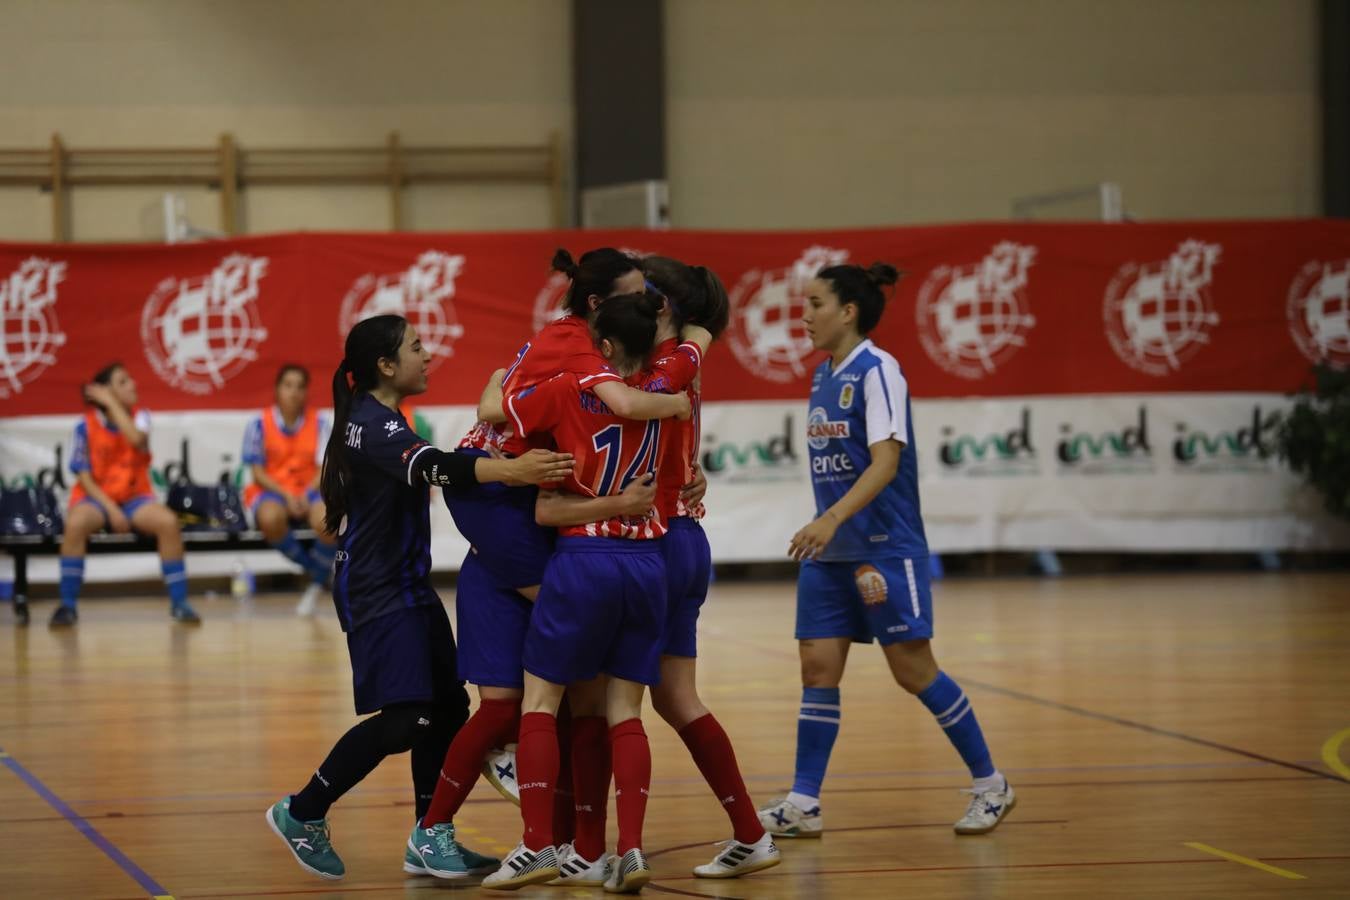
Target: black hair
[(595, 274), (696, 294), (288, 368), (104, 377), (630, 321), (863, 288), (369, 341)]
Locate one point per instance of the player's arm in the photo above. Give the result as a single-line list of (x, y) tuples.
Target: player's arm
[(631, 403), (556, 509), (117, 520), (678, 369), (490, 404), (118, 415)]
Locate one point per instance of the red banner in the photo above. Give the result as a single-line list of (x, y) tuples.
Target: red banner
[(985, 310)]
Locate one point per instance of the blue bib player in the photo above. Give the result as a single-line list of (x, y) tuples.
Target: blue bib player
[(864, 559)]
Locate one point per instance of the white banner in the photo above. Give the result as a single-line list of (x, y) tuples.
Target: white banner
[(1183, 472)]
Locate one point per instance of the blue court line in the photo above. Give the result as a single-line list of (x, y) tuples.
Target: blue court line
[(83, 827)]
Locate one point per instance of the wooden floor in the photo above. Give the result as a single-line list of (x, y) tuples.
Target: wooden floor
[(1142, 721)]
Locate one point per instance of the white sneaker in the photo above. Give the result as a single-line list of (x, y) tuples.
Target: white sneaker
[(309, 600), (524, 866), (986, 810), (783, 818), (499, 769), (577, 872), (739, 859), (627, 875)]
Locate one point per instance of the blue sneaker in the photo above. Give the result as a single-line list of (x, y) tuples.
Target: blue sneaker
[(412, 863), (309, 842), (443, 856)]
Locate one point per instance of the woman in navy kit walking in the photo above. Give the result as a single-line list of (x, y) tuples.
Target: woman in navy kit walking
[(376, 476)]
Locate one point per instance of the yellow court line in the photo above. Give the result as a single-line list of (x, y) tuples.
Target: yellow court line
[(1245, 860), (1331, 753)]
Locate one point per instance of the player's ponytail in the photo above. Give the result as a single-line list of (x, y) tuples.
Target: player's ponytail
[(369, 341), (593, 276), (863, 288), (696, 294)]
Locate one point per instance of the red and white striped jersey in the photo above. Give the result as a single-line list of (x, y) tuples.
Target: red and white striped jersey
[(675, 368)]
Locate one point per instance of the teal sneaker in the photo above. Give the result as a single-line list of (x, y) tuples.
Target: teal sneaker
[(445, 857), (309, 842), (412, 863)]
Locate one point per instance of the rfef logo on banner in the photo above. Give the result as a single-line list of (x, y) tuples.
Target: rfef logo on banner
[(1118, 451), (548, 303), (1237, 447), (1000, 453), (200, 332), (1319, 312), (1160, 314), (766, 333), (422, 294), (29, 332), (972, 318)]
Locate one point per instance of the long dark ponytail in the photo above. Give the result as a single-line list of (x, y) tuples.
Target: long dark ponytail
[(697, 294), (369, 341), (593, 275)]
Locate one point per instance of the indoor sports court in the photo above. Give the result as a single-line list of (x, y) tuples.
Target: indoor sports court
[(696, 448)]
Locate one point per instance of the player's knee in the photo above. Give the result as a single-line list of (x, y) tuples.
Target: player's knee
[(676, 708), (272, 521), (819, 673), (400, 727)]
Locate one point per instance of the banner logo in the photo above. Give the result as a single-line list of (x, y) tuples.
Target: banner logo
[(548, 303), (29, 332), (766, 332), (1159, 314), (972, 318), (760, 460), (1001, 453), (1319, 312), (1110, 452), (1246, 448), (200, 332), (422, 294)]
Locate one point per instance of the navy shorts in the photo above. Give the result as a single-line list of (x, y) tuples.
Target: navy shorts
[(883, 599), (492, 621), (602, 609), (406, 656), (688, 571), (498, 522), (311, 497)]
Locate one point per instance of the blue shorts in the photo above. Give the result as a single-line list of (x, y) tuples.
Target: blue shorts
[(688, 571), (602, 608), (498, 522), (127, 508), (492, 621), (406, 656), (884, 599), (311, 497)]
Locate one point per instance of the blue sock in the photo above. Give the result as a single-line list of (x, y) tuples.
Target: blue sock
[(175, 579), (321, 561), (72, 576), (817, 727), (6, 590), (948, 704), (293, 550)]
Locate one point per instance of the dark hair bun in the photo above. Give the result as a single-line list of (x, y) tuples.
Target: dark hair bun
[(563, 262), (883, 274)]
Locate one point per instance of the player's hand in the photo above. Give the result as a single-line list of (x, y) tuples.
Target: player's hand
[(296, 506), (639, 496), (692, 493), (117, 521), (100, 394), (814, 538), (683, 408), (540, 467)]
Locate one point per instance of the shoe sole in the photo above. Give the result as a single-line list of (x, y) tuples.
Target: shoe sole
[(997, 822), (747, 869), (267, 814), (632, 884), (796, 834), (521, 881), (415, 870)]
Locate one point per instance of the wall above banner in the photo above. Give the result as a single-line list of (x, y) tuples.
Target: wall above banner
[(985, 310)]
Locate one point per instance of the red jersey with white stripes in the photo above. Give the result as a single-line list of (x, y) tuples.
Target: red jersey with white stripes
[(563, 346), (610, 451), (674, 369)]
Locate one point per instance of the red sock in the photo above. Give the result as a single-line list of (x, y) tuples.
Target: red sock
[(537, 772), (564, 816), (463, 761), (713, 754), (590, 781), (632, 759)]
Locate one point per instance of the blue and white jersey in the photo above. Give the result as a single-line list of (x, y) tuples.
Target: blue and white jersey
[(863, 402)]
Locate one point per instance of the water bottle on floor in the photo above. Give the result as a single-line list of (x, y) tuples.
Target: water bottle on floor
[(242, 583)]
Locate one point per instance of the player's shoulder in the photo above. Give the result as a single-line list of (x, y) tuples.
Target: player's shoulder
[(564, 329)]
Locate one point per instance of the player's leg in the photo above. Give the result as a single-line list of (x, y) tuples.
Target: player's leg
[(149, 517), (901, 610), (83, 519), (828, 620), (318, 560), (579, 823), (632, 760)]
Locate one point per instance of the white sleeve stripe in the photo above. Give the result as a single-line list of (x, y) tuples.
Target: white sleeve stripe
[(419, 452), (691, 346), (515, 417), (598, 375)]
